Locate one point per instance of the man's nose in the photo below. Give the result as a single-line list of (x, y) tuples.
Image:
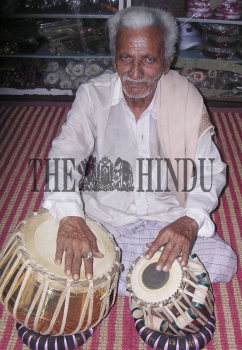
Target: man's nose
[(136, 71)]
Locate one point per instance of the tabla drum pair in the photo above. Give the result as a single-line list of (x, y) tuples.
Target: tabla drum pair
[(52, 311), (172, 310)]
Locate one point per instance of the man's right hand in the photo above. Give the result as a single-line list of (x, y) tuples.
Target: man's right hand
[(76, 240)]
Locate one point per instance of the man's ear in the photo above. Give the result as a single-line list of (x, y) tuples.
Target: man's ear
[(167, 65), (114, 63)]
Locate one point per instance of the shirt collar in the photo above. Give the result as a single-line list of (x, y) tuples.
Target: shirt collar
[(118, 91), (118, 96)]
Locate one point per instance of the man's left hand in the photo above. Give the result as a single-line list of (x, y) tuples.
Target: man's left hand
[(177, 238)]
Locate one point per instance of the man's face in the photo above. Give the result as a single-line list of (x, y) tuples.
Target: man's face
[(140, 60)]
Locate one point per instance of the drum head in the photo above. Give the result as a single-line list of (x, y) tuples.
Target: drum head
[(39, 237), (152, 286)]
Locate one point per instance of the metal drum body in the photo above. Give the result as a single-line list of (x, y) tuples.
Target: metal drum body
[(37, 293)]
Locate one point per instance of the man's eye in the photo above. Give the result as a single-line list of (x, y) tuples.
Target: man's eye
[(149, 59), (125, 58)]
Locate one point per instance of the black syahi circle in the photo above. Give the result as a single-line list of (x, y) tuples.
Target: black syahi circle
[(154, 279)]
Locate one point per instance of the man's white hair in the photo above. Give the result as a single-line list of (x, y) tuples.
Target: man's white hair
[(142, 17)]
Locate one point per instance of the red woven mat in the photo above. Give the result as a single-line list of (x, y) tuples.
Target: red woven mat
[(26, 132)]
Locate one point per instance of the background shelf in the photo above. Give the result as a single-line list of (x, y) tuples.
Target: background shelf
[(106, 16), (56, 15), (191, 59), (195, 58)]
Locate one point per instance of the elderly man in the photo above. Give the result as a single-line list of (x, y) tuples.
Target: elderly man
[(135, 125)]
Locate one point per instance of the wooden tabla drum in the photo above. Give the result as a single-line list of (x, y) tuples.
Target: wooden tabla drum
[(38, 294), (172, 310)]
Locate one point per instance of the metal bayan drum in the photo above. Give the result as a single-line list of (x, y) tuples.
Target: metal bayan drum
[(37, 293), (172, 310)]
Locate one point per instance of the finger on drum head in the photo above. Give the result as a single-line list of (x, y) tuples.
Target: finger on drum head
[(98, 254), (167, 258), (152, 250), (185, 256), (68, 262), (59, 255), (76, 265), (155, 246), (88, 263), (95, 250)]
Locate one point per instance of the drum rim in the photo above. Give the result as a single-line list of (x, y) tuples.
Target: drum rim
[(42, 270), (38, 268), (143, 302)]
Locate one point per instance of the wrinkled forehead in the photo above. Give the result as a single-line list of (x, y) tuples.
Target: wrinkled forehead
[(148, 38)]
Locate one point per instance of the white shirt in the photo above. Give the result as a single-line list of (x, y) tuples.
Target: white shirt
[(101, 124)]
